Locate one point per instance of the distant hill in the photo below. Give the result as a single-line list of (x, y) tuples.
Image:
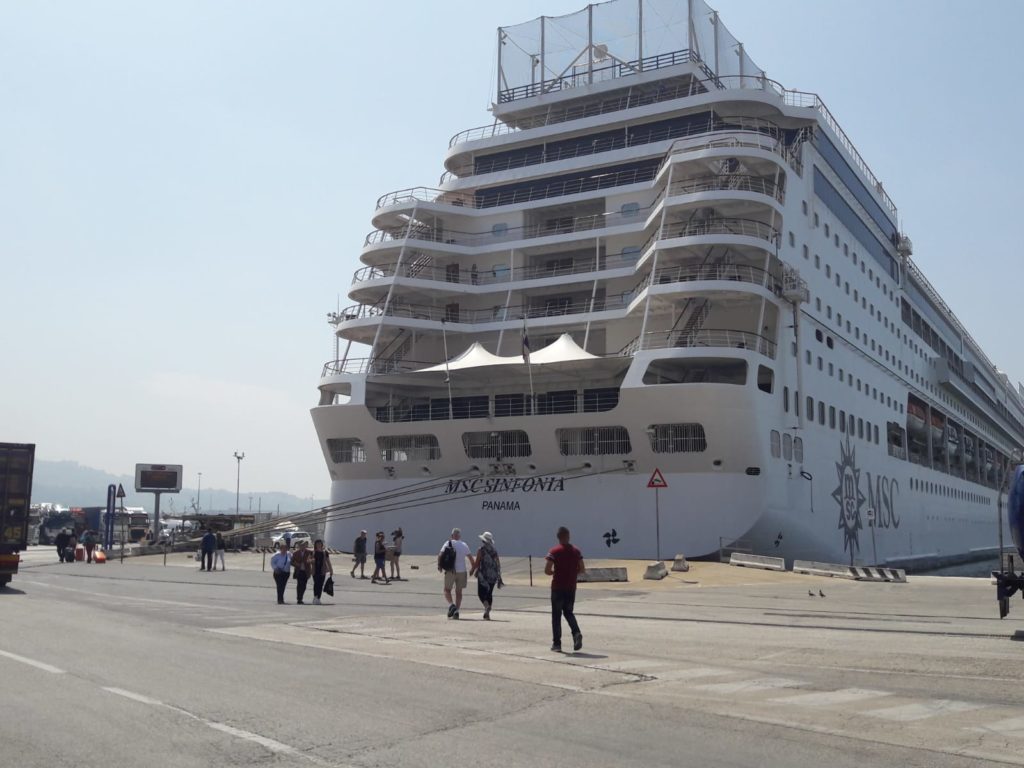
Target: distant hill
[(74, 485)]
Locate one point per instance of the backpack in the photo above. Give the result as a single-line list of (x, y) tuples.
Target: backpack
[(446, 560)]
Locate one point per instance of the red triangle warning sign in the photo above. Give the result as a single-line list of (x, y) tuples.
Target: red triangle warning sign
[(657, 480)]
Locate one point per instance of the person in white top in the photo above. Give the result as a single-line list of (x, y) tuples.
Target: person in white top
[(451, 560), (280, 563)]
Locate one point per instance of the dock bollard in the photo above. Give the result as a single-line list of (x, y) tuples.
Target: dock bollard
[(531, 570), (165, 555)]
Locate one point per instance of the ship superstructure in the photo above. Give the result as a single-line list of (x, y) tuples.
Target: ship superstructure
[(658, 258)]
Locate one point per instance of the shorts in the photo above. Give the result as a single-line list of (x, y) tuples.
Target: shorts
[(359, 559), (454, 579), (379, 562)]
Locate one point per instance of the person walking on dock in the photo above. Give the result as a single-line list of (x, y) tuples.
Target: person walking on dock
[(89, 542), (359, 555), (61, 541), (488, 572), (218, 554), (451, 560), (280, 563), (207, 546), (380, 553), (563, 564), (322, 568), (397, 539), (302, 563)]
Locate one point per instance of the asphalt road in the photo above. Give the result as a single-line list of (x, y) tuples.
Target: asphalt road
[(129, 665)]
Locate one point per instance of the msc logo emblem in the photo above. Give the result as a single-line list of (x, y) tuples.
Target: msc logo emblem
[(849, 498)]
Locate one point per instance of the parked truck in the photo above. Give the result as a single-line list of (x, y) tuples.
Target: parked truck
[(16, 463)]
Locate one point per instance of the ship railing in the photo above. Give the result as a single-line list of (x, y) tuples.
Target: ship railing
[(608, 144), (495, 275), (741, 273), (728, 182), (486, 406), (703, 337), (453, 313), (364, 365), (613, 70), (426, 195), (569, 225)]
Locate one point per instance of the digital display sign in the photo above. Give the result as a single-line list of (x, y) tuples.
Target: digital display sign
[(165, 478)]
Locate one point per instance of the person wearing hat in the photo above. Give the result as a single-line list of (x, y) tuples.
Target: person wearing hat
[(487, 567), (359, 556)]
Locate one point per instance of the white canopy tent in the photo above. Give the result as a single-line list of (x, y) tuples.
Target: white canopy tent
[(562, 350)]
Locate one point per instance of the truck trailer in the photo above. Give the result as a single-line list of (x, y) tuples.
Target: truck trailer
[(16, 463)]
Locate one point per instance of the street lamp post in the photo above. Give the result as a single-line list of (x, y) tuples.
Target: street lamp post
[(199, 494), (238, 478)]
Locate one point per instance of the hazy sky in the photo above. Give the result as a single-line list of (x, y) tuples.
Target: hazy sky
[(185, 186)]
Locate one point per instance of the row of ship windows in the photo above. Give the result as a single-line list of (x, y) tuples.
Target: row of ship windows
[(938, 489), (855, 426), (787, 447), (861, 386), (887, 323), (515, 443)]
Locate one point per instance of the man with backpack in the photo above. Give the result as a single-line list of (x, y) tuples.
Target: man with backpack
[(451, 561)]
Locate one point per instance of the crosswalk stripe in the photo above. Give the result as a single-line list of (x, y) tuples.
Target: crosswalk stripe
[(1013, 726), (831, 698), (747, 686), (922, 710)]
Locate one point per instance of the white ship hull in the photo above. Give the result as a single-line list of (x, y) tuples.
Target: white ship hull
[(646, 264)]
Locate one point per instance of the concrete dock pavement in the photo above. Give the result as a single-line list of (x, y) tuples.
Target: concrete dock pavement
[(717, 666)]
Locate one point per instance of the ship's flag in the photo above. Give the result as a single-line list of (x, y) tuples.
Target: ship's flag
[(526, 344)]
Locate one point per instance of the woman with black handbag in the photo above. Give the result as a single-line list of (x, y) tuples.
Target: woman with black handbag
[(322, 568)]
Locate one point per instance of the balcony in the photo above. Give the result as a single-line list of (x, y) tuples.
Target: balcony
[(543, 155), (728, 183), (453, 273), (702, 338), (568, 225), (453, 313), (738, 273)]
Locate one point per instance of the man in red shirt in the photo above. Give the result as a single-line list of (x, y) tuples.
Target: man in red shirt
[(564, 563)]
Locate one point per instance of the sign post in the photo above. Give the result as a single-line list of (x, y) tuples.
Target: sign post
[(157, 479), (657, 482), (871, 523), (120, 496), (108, 518)]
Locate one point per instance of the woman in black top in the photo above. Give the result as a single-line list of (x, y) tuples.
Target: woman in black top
[(322, 568), (380, 551)]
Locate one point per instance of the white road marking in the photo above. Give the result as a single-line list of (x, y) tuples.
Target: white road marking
[(831, 698), (1014, 726), (922, 710), (749, 686), (33, 663), (135, 697), (629, 665), (267, 743)]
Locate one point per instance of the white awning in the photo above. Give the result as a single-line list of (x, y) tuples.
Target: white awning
[(562, 350)]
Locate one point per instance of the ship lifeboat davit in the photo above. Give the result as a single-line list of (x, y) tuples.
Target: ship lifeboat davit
[(915, 418), (969, 450), (938, 429), (988, 460), (1015, 510)]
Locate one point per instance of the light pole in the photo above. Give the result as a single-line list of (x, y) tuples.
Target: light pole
[(199, 494), (238, 478)]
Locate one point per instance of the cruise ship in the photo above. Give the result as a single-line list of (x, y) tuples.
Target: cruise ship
[(661, 299)]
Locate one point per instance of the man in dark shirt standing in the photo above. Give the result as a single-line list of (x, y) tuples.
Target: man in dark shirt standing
[(359, 555), (564, 563)]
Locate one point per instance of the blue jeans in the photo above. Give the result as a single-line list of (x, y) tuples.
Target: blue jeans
[(562, 603)]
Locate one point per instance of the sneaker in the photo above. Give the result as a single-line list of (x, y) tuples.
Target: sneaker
[(487, 612), (456, 614), (556, 647), (577, 641), (316, 601), (299, 602), (451, 610)]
